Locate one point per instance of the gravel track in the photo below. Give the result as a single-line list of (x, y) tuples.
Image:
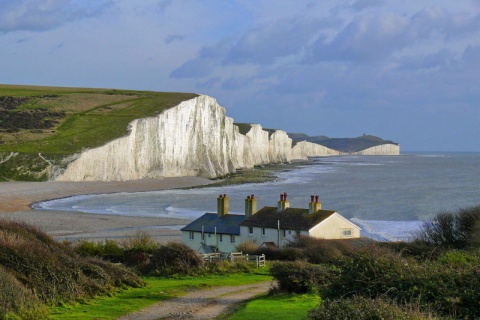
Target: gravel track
[(200, 304)]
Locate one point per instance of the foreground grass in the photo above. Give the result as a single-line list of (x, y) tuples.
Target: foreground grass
[(278, 307), (157, 289)]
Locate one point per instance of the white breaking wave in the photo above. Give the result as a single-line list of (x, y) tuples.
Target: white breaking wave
[(389, 230)]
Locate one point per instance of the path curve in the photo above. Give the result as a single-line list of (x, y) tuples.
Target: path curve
[(200, 304)]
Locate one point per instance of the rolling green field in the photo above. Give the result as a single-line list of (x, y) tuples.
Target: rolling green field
[(91, 118)]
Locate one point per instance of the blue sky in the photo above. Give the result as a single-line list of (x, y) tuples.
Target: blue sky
[(407, 71)]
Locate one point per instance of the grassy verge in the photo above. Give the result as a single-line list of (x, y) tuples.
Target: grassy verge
[(278, 307), (157, 289)]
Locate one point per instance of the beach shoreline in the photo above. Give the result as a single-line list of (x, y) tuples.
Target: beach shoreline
[(17, 198)]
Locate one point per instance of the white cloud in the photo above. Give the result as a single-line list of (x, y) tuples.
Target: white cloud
[(41, 15)]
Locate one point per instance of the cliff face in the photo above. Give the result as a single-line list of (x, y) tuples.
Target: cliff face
[(195, 138), (305, 149), (381, 150)]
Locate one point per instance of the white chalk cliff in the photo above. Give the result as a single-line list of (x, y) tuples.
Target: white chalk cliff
[(195, 138), (381, 150)]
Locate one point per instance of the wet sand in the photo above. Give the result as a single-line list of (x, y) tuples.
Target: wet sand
[(16, 199)]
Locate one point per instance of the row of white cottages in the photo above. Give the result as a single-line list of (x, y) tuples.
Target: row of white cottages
[(223, 232)]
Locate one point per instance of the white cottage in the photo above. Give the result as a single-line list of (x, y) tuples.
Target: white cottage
[(223, 232), (281, 224), (214, 232)]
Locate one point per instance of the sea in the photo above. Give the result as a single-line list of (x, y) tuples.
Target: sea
[(389, 197)]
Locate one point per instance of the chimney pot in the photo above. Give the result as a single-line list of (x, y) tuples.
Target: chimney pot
[(224, 195), (281, 197), (248, 197), (311, 197), (253, 196), (220, 196), (316, 198)]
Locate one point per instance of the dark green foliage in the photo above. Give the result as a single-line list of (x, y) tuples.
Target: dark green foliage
[(459, 229), (417, 249), (448, 285), (299, 276), (305, 248), (364, 308), (321, 250), (175, 258), (53, 271)]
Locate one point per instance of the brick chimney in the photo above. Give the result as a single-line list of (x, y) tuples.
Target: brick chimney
[(314, 204), (283, 203), (222, 205), (250, 206)]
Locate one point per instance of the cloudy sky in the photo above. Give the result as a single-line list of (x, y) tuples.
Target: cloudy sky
[(405, 70)]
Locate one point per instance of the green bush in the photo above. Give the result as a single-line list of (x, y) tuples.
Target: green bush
[(321, 250), (364, 308), (53, 271), (460, 229), (175, 258), (107, 249), (448, 285), (299, 276)]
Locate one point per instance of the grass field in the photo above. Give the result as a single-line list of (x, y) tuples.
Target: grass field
[(278, 307), (157, 289), (92, 116)]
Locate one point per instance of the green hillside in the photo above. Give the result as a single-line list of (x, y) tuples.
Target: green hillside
[(58, 122), (67, 120)]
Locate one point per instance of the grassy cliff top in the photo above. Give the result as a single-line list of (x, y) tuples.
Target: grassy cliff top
[(61, 120)]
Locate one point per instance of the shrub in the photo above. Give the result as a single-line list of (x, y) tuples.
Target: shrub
[(299, 276), (417, 249), (175, 258), (18, 302), (53, 270), (364, 308), (453, 230), (140, 242), (321, 250), (449, 287)]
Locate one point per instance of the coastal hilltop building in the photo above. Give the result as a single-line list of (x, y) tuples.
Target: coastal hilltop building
[(223, 232)]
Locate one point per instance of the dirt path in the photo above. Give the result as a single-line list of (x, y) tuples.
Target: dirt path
[(200, 304)]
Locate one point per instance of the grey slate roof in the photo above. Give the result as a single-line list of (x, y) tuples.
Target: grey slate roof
[(290, 218), (228, 224)]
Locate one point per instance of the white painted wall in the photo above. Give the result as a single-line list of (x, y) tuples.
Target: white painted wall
[(211, 240), (333, 227)]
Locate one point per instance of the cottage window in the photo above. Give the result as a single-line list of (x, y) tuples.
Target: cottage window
[(289, 231), (263, 232), (284, 232), (232, 239), (221, 238), (347, 233), (203, 236), (250, 230), (191, 235)]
